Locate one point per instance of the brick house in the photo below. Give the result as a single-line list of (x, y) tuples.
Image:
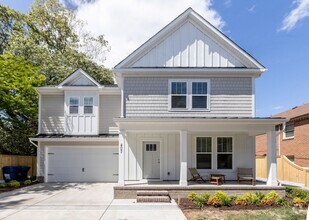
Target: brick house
[(292, 136)]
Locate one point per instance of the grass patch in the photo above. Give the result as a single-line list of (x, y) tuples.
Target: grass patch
[(271, 214)]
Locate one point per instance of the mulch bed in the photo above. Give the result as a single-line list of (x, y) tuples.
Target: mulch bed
[(185, 204)]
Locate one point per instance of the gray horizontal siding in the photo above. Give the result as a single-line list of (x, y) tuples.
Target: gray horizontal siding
[(52, 114), (148, 97), (109, 109)]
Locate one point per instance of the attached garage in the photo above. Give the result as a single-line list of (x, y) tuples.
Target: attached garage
[(81, 164)]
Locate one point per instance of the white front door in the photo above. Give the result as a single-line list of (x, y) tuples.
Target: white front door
[(151, 167)]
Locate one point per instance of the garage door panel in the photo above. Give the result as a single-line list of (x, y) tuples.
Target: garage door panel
[(82, 164)]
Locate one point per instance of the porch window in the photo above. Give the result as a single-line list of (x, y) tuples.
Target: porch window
[(289, 131), (203, 152), (74, 103), (225, 153), (88, 105), (179, 95)]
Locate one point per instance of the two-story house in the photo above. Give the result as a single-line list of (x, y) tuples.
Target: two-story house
[(292, 136), (185, 98)]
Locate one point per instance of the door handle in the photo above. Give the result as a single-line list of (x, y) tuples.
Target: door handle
[(83, 169), (158, 160)]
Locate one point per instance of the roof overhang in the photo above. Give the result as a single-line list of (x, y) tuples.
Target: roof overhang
[(56, 90), (250, 126), (75, 139), (216, 72)]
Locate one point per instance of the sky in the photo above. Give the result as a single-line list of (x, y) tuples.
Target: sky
[(276, 33)]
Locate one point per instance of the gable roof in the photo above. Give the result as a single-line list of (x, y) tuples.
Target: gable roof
[(191, 19), (294, 112), (79, 78)]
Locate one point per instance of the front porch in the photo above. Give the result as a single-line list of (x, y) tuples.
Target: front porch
[(172, 143), (129, 191)]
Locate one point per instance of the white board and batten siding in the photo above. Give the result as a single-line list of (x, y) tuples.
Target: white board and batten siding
[(243, 154), (81, 123), (188, 46)]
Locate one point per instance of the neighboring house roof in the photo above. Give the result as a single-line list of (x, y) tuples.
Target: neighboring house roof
[(294, 112), (189, 22)]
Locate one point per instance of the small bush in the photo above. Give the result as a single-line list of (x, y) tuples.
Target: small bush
[(248, 198), (192, 196), (270, 199), (14, 183), (3, 185), (214, 201), (296, 192), (299, 202), (260, 195), (219, 199), (199, 200), (282, 202), (27, 182)]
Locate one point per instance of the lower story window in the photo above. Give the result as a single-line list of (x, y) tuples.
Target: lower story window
[(225, 153), (203, 152)]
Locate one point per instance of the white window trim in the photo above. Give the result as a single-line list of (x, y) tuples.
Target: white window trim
[(233, 155), (211, 153), (79, 104), (83, 105), (189, 95), (284, 134)]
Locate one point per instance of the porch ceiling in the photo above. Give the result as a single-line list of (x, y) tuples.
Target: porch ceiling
[(250, 126)]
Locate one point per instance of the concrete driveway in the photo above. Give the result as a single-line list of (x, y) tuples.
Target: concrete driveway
[(78, 201)]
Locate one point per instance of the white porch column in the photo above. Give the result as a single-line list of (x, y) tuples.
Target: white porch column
[(121, 157), (271, 159), (183, 158)]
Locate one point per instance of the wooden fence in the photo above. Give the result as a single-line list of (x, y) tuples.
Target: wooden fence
[(16, 160), (287, 171)]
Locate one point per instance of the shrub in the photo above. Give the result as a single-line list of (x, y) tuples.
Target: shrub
[(296, 192), (214, 201), (260, 195), (299, 202), (282, 202), (270, 199), (224, 198), (192, 196), (3, 185), (248, 198), (27, 182), (199, 200), (219, 199), (14, 183)]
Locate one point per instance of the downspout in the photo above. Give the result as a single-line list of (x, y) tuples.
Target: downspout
[(31, 141), (279, 141)]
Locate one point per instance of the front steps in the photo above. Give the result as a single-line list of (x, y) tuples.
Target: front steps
[(152, 196)]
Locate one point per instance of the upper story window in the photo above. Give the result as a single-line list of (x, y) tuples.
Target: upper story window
[(74, 105), (179, 95), (289, 131), (88, 105), (189, 94)]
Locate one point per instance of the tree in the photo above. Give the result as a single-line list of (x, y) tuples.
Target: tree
[(18, 103), (52, 36)]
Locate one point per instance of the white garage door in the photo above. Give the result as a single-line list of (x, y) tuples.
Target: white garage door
[(82, 164)]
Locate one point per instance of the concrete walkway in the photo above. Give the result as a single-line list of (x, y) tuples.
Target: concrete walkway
[(79, 201)]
